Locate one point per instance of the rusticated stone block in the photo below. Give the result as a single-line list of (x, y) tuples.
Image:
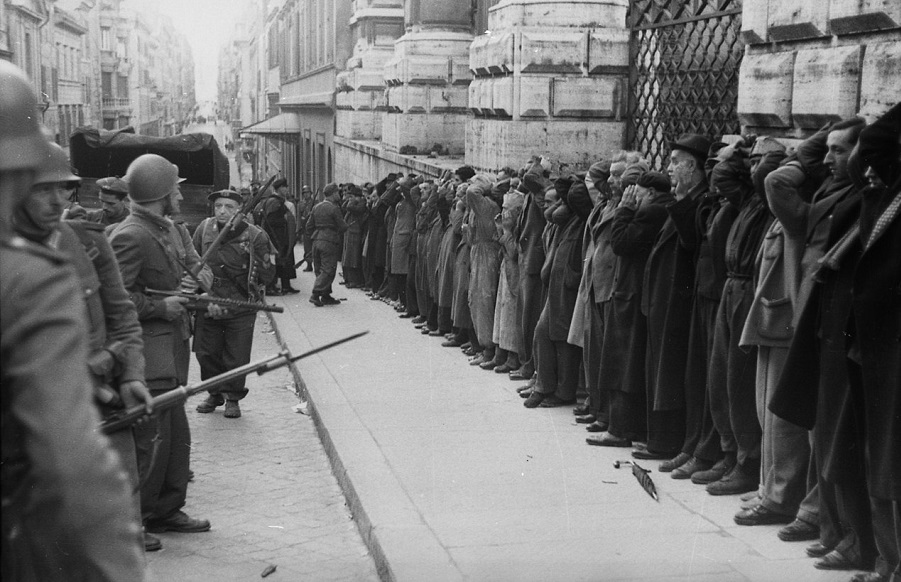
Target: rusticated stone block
[(534, 96), (608, 51), (368, 79), (765, 89), (825, 85), (448, 99), (754, 23), (880, 78), (502, 96), (475, 96), (412, 98), (564, 13), (344, 100), (854, 16), (478, 62), (797, 19), (585, 97), (424, 70), (499, 53), (554, 52)]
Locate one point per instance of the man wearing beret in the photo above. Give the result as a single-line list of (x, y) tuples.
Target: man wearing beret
[(113, 197), (275, 217), (328, 227), (242, 265)]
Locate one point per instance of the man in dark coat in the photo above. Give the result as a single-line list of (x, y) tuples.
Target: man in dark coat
[(328, 227), (356, 215), (667, 295), (113, 197), (875, 357), (558, 361), (275, 218), (814, 388), (636, 224)]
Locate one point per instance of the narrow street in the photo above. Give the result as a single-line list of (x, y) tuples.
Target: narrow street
[(265, 484)]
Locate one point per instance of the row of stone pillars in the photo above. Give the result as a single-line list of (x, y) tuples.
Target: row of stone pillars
[(547, 77)]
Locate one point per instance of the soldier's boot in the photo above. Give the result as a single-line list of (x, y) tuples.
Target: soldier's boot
[(232, 409), (211, 403)]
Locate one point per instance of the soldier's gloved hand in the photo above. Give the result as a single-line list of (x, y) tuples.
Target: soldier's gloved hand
[(216, 311), (174, 307), (135, 392)]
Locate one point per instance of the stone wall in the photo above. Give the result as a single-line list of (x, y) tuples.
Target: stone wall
[(550, 77), (810, 62)]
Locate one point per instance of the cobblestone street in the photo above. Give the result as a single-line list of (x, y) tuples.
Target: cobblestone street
[(265, 484)]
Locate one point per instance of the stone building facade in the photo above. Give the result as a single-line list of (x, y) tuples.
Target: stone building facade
[(425, 85), (87, 62)]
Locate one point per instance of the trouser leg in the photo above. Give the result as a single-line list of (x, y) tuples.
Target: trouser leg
[(174, 490), (444, 319), (545, 357), (569, 369), (700, 341), (717, 383), (627, 414), (531, 310), (742, 370), (591, 361), (325, 260)]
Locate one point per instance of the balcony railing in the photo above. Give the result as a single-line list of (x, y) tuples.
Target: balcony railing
[(115, 103)]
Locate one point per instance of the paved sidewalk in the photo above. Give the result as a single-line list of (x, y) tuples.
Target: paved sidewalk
[(265, 484), (450, 478)]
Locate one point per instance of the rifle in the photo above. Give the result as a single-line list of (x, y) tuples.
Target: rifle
[(232, 222), (199, 302), (126, 418)]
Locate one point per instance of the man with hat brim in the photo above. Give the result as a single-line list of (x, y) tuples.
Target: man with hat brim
[(242, 266), (113, 196), (275, 215), (154, 252), (69, 497)]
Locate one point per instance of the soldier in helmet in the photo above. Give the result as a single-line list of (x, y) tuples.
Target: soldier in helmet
[(114, 199), (154, 252), (242, 266), (66, 502)]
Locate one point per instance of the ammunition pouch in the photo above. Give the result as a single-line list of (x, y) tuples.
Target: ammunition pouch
[(105, 366)]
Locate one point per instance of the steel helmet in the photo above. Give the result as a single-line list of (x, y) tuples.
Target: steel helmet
[(56, 167), (22, 145), (151, 177)]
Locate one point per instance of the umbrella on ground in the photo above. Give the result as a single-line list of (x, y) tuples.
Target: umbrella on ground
[(641, 474)]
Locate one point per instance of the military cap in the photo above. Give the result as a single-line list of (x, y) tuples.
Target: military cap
[(599, 171), (230, 194), (656, 180), (113, 185), (329, 189), (279, 183)]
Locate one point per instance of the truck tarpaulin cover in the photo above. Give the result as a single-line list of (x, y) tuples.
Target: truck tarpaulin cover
[(99, 153)]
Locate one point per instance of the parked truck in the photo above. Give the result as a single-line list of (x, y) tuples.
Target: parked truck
[(99, 153)]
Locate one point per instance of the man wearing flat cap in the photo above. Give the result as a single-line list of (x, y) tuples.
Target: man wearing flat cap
[(113, 196), (242, 266), (276, 218)]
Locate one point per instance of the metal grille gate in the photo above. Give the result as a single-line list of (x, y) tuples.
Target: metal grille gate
[(685, 57)]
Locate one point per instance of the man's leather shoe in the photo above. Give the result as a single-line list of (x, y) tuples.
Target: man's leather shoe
[(647, 455), (552, 401), (329, 300), (178, 522), (232, 409), (435, 333), (502, 369), (799, 531), (489, 365), (424, 330), (817, 550), (419, 319), (152, 543), (739, 480), (869, 577), (290, 291), (405, 315), (694, 465), (581, 410), (534, 399), (452, 343), (835, 560), (674, 463), (605, 439), (210, 403), (760, 515), (597, 426), (714, 473), (586, 418), (315, 300)]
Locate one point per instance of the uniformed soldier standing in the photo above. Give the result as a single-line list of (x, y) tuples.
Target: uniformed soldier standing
[(66, 502), (154, 252), (327, 226), (113, 196), (242, 266), (115, 348), (275, 216)]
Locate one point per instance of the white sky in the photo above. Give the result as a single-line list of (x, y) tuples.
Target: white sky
[(207, 24)]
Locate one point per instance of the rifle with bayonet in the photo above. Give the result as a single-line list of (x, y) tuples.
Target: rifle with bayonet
[(233, 222), (128, 417), (200, 302)]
